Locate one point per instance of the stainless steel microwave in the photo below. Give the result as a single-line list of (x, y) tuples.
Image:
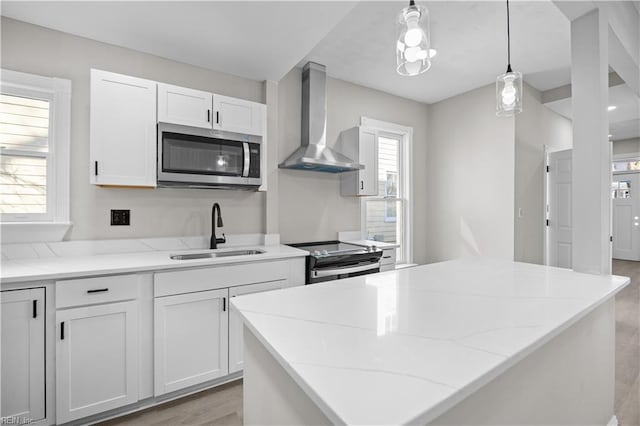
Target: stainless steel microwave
[(204, 158)]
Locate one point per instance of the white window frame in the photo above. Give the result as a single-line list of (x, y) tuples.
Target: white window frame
[(52, 226), (405, 135)]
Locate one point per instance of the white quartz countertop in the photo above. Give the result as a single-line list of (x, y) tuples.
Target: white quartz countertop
[(405, 346), (24, 270)]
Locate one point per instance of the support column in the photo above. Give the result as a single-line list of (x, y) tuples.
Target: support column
[(591, 179), (271, 224)]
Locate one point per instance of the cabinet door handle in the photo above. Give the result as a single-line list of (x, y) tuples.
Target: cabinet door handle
[(62, 330), (96, 168), (35, 308), (361, 184), (386, 257), (98, 290), (224, 304), (217, 117), (208, 116)]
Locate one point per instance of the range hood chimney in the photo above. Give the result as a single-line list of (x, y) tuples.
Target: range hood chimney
[(314, 154)]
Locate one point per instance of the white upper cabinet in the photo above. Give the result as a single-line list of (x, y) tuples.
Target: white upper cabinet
[(238, 115), (360, 144), (183, 106), (122, 130), (23, 354)]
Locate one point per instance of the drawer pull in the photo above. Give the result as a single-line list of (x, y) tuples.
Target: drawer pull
[(386, 257), (98, 290)]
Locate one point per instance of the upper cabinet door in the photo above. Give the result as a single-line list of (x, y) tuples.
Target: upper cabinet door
[(360, 144), (23, 340), (238, 115), (123, 130), (187, 107)]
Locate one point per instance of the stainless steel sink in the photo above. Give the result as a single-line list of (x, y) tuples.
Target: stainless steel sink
[(238, 253), (209, 255)]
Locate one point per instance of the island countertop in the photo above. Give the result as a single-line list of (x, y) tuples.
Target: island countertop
[(405, 346)]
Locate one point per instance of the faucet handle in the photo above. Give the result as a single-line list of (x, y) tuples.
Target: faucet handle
[(222, 240)]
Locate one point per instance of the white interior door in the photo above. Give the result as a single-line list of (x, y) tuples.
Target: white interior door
[(559, 209), (626, 216)]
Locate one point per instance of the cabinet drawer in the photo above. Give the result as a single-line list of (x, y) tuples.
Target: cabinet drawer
[(388, 257), (90, 291), (191, 280)]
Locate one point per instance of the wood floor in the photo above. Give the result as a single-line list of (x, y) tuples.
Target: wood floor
[(223, 405)]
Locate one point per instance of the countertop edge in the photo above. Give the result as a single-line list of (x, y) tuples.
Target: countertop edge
[(223, 261)]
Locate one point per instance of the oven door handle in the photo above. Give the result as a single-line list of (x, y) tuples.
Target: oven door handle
[(321, 273), (247, 159)]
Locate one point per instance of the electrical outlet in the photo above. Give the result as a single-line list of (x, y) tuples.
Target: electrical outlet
[(120, 217)]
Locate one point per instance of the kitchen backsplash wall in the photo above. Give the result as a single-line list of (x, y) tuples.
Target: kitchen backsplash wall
[(310, 204), (154, 212)]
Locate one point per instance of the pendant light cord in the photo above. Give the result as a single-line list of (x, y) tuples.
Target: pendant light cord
[(508, 40)]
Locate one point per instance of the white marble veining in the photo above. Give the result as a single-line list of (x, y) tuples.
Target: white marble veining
[(147, 259), (404, 346)]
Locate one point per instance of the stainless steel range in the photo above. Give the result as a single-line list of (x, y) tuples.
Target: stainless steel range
[(333, 260)]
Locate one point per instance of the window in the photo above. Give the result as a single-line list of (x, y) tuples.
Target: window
[(34, 154), (387, 216)]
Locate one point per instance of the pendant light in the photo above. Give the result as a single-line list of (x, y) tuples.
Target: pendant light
[(412, 47), (509, 85)]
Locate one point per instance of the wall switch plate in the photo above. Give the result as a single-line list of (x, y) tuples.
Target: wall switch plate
[(120, 217)]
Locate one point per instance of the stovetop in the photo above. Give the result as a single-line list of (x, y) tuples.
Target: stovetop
[(332, 248)]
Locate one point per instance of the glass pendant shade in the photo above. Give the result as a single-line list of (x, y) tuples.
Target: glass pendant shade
[(509, 94), (412, 46)]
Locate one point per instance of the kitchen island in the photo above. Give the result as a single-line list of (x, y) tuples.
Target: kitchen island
[(472, 341)]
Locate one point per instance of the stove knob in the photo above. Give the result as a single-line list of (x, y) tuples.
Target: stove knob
[(369, 249), (316, 252), (324, 253), (374, 248)]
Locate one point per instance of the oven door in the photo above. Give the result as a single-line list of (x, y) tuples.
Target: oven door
[(205, 157), (328, 273)]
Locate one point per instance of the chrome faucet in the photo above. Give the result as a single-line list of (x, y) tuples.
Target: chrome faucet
[(215, 241)]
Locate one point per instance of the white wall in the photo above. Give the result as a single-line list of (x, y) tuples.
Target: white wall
[(309, 204), (311, 207), (626, 146), (159, 212), (470, 178), (535, 127)]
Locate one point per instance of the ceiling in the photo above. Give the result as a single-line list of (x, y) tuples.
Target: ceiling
[(263, 40), (471, 42), (624, 121), (231, 37)]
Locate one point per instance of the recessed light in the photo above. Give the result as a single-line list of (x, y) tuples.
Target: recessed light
[(611, 107), (432, 53)]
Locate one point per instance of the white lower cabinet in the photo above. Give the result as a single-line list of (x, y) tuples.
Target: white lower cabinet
[(190, 339), (236, 340), (23, 354), (96, 359)]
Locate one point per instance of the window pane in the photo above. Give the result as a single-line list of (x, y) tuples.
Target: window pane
[(384, 222), (388, 166), (24, 123), (23, 186)]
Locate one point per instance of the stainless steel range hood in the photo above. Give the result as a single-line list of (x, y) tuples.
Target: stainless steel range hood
[(314, 154)]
